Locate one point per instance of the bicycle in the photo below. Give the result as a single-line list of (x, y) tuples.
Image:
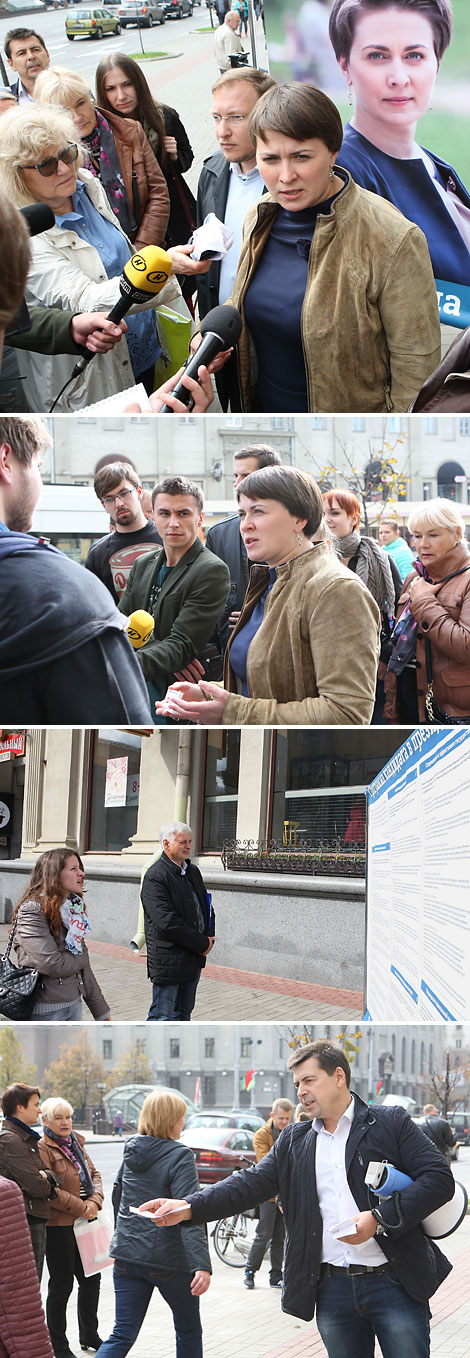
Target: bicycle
[(233, 1236)]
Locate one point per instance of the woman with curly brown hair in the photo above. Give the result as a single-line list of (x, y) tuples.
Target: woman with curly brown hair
[(51, 923)]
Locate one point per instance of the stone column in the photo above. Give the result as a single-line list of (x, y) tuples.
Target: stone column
[(255, 747), (64, 788), (33, 791), (158, 765)]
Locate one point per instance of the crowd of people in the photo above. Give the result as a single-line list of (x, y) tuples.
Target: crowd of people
[(284, 615), (309, 1181), (356, 329)]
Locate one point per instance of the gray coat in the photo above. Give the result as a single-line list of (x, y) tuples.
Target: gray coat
[(65, 976), (153, 1167)]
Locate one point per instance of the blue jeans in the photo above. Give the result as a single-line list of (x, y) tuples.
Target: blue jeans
[(133, 1286), (352, 1310), (68, 1013), (173, 1002)]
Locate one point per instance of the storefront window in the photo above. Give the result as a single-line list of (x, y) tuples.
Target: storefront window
[(114, 790), (221, 789), (320, 781)]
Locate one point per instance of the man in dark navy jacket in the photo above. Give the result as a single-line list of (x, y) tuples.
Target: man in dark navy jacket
[(179, 926), (374, 1281)]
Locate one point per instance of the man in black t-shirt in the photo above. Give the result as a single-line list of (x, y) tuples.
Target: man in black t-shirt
[(117, 486)]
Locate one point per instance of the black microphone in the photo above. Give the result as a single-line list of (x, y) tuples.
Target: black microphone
[(144, 276), (38, 217), (221, 329)]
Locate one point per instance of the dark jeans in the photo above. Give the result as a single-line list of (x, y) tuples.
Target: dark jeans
[(352, 1310), (174, 1002), (270, 1228), (37, 1226), (64, 1264), (133, 1286)]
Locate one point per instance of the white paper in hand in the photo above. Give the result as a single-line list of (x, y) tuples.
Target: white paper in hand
[(212, 240)]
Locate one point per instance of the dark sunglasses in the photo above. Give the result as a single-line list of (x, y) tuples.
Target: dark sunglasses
[(50, 166)]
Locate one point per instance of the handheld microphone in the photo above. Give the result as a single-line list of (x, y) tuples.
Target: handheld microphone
[(139, 628), (144, 276), (221, 329), (38, 217)]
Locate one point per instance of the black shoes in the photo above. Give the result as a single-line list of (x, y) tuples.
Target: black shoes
[(249, 1279), (275, 1282), (93, 1344)]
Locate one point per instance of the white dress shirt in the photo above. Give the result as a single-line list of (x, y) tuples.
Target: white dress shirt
[(244, 190), (335, 1198)]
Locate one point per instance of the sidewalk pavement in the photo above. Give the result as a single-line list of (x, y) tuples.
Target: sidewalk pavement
[(251, 1323), (224, 995)]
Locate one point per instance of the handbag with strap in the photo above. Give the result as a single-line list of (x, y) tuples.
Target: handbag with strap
[(17, 986)]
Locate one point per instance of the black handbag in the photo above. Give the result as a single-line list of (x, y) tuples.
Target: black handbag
[(17, 986)]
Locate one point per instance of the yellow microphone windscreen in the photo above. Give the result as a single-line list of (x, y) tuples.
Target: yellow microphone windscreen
[(149, 270), (140, 628)]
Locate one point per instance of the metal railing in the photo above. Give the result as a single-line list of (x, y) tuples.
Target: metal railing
[(310, 858)]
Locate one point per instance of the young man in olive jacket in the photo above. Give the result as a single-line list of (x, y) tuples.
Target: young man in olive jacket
[(179, 926), (318, 1168), (183, 586), (20, 1161)]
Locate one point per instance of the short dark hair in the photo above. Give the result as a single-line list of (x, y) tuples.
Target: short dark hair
[(17, 1096), (295, 489), (328, 1055), (298, 111), (345, 13), (264, 454), (260, 80), (178, 485), (112, 475), (20, 35), (26, 435)]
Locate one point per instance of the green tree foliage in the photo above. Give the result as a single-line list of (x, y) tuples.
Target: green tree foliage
[(13, 1066), (76, 1075), (133, 1069)]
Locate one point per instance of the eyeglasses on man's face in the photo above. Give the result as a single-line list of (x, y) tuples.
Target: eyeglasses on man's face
[(111, 500), (50, 165)]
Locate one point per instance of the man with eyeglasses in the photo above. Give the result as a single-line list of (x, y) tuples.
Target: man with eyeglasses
[(230, 181), (27, 54), (111, 559)]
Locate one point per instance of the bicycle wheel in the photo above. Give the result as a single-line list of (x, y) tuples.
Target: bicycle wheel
[(233, 1238)]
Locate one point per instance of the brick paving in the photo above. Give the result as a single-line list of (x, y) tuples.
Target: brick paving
[(238, 1322)]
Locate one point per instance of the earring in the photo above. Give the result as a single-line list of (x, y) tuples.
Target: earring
[(350, 93), (299, 538), (331, 173)]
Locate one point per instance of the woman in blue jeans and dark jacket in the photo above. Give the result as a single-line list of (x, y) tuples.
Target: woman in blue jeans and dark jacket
[(155, 1164)]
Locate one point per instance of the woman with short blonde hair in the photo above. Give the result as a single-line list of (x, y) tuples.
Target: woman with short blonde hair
[(429, 670), (160, 1112), (155, 1163)]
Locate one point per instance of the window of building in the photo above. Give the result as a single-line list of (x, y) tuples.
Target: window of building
[(422, 1059), (208, 1090), (174, 1082), (403, 1055), (430, 425), (427, 490), (464, 428), (358, 424), (318, 422), (174, 1047), (277, 421), (220, 789), (140, 1045), (113, 790), (209, 1047), (413, 1057), (394, 424), (245, 1047), (107, 1049), (451, 480), (233, 422), (320, 780)]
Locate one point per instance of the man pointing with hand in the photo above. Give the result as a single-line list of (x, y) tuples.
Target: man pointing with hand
[(375, 1277)]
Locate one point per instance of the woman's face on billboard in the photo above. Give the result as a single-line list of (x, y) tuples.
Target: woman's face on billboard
[(392, 66)]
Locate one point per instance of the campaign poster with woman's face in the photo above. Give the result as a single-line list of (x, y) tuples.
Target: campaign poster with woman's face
[(398, 73)]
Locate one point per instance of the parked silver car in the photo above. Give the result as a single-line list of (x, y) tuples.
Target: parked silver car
[(143, 12)]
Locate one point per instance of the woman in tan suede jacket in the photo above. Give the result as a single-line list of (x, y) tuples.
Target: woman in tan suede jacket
[(334, 286), (79, 1195), (305, 647)]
